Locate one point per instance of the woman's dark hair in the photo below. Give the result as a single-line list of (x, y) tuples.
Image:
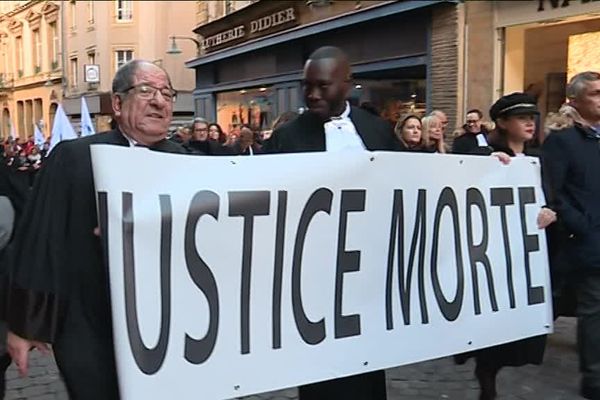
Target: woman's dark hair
[(222, 136), (476, 111)]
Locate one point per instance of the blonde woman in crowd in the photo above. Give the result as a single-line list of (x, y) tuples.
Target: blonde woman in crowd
[(433, 134)]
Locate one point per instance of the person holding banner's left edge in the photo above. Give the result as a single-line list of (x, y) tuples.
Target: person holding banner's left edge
[(331, 124), (58, 290)]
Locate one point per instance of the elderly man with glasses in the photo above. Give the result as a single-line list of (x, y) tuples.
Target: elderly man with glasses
[(58, 291)]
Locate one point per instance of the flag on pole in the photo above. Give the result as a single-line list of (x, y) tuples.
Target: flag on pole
[(38, 136), (62, 128), (87, 126)]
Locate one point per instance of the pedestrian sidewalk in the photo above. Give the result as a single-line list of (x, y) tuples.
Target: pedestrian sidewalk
[(557, 379)]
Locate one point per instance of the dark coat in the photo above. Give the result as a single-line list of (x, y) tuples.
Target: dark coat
[(58, 290), (208, 147), (467, 144), (571, 161), (307, 133)]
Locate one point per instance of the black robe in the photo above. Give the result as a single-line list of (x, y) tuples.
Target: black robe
[(58, 289), (307, 134)]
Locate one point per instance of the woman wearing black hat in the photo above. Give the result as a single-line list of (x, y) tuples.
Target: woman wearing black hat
[(515, 118)]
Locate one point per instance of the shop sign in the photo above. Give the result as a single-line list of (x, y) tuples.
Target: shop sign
[(266, 24), (511, 13), (558, 3)]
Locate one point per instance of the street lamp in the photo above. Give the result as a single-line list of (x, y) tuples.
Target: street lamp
[(176, 50)]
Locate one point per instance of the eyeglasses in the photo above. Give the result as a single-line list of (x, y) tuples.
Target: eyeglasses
[(147, 92)]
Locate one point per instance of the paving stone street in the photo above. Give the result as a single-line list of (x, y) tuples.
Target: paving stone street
[(557, 379)]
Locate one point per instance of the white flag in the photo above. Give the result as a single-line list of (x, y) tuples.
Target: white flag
[(87, 126), (62, 128), (38, 136)]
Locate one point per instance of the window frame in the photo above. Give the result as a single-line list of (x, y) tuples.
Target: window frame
[(54, 44), (37, 48), (121, 7), (118, 62), (19, 50), (73, 11), (91, 15), (74, 66)]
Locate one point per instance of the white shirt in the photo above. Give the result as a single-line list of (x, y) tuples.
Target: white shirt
[(481, 140), (341, 134), (132, 142)]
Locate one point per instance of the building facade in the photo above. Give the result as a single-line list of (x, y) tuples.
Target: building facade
[(110, 33), (405, 56), (532, 45), (30, 65), (100, 34)]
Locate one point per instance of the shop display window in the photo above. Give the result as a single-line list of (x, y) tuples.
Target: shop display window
[(245, 107)]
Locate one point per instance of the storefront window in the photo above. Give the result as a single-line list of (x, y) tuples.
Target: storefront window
[(540, 57), (391, 98), (245, 107)]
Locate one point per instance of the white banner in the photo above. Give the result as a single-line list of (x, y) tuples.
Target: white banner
[(232, 276)]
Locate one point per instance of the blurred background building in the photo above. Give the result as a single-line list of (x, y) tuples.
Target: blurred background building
[(58, 51)]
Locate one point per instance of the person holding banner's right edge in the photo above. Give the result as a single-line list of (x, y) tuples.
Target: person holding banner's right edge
[(515, 117), (331, 124), (572, 170)]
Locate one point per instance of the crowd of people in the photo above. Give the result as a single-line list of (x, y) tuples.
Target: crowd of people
[(202, 136), (23, 156), (59, 297)]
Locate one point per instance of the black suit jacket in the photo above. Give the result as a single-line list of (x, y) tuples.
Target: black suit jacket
[(571, 163), (307, 133), (467, 144)]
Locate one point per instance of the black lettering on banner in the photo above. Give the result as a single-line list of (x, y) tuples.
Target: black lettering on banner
[(278, 268), (196, 351), (311, 332), (405, 278), (148, 360), (535, 295), (477, 252), (347, 261), (502, 197), (450, 309), (247, 205)]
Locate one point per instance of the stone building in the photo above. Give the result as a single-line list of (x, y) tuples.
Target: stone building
[(97, 37)]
